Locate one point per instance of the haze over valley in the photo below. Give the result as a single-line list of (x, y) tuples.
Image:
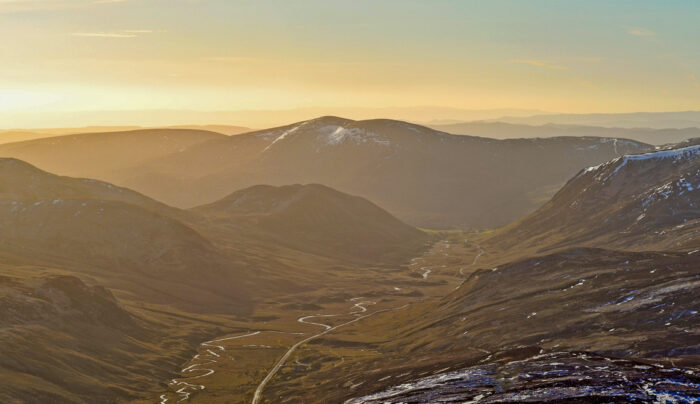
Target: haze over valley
[(324, 202)]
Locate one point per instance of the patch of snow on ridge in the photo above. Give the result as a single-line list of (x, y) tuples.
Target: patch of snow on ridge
[(285, 134), (617, 143), (593, 168), (675, 154), (421, 384), (339, 135), (685, 153)]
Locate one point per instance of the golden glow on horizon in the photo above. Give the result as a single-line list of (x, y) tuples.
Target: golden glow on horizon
[(213, 55)]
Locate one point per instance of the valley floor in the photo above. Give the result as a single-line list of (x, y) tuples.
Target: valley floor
[(298, 333), (369, 336)]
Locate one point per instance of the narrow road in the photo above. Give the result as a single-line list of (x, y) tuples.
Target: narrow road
[(184, 386), (476, 258), (258, 392)]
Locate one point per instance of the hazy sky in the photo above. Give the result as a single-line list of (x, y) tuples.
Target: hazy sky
[(563, 56)]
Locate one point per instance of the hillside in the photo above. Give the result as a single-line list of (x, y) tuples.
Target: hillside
[(635, 202), (576, 321), (105, 292), (424, 177), (316, 219), (81, 322), (22, 181), (561, 326), (104, 155), (115, 234), (21, 135), (542, 315)]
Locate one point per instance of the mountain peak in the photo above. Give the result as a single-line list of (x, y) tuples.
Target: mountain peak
[(324, 131), (319, 219)]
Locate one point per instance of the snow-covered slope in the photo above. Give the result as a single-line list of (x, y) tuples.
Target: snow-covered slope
[(650, 199)]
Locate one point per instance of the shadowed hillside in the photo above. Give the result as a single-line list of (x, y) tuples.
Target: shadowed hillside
[(317, 219), (424, 177)]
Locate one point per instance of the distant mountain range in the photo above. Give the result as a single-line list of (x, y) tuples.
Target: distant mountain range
[(504, 130), (423, 176), (655, 120), (251, 118)]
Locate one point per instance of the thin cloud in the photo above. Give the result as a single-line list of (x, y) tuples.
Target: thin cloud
[(235, 59), (694, 80), (592, 59), (21, 6), (539, 63), (127, 33), (583, 82), (104, 35), (637, 31)]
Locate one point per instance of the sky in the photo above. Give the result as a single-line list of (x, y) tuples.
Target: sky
[(60, 56)]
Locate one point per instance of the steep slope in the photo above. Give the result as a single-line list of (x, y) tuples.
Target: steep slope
[(425, 177), (541, 317), (104, 155), (67, 339), (20, 180), (577, 324), (49, 321), (129, 241), (635, 202), (317, 219), (504, 130)]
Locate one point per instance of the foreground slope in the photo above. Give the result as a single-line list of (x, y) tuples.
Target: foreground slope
[(425, 177), (47, 319), (572, 325), (577, 323), (317, 219)]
